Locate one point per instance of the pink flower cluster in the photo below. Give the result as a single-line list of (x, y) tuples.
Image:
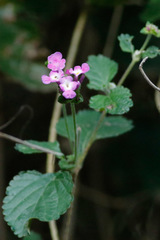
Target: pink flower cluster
[(68, 84)]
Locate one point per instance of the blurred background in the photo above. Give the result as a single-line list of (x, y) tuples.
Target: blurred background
[(119, 186)]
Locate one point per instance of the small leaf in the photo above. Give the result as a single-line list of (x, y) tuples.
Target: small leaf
[(47, 145), (125, 41), (102, 71), (34, 195), (87, 122), (33, 236), (151, 52), (117, 102), (67, 164)]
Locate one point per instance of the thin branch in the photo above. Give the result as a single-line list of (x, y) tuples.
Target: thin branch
[(145, 76), (72, 52), (34, 146)]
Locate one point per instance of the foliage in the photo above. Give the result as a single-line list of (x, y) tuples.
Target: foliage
[(111, 127), (33, 236), (126, 43), (46, 196), (102, 71), (17, 45), (34, 195)]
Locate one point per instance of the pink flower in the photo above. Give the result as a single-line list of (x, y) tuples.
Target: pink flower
[(56, 76), (69, 94), (68, 87), (56, 62), (46, 79), (79, 69), (53, 77)]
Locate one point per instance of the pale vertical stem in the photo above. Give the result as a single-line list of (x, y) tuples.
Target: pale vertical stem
[(3, 234), (67, 225), (72, 52), (113, 29)]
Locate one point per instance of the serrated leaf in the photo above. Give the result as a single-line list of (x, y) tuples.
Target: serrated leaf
[(87, 122), (47, 145), (117, 102), (151, 52), (102, 71), (125, 41), (33, 236), (34, 195)]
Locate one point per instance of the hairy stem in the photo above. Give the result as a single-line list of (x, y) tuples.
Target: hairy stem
[(126, 73), (66, 123), (72, 52), (133, 62), (92, 139), (75, 130), (28, 144)]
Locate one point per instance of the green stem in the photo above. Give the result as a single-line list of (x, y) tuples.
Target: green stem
[(92, 139), (75, 129), (148, 38), (126, 73), (133, 62), (66, 124)]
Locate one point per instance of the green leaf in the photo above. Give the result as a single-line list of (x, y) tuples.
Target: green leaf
[(34, 195), (102, 71), (151, 52), (33, 236), (113, 127), (53, 146), (125, 41), (117, 102), (87, 122), (67, 164)]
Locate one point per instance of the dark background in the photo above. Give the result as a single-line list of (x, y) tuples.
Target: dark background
[(118, 196)]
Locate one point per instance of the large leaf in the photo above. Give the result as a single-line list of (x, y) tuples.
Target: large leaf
[(117, 102), (102, 71), (125, 41), (53, 146), (35, 195), (87, 122), (33, 236)]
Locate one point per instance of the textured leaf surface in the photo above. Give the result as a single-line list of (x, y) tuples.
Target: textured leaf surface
[(87, 121), (102, 71), (151, 52), (48, 145), (125, 41), (117, 102), (35, 195)]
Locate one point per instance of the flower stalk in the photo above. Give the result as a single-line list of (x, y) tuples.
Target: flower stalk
[(135, 58)]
